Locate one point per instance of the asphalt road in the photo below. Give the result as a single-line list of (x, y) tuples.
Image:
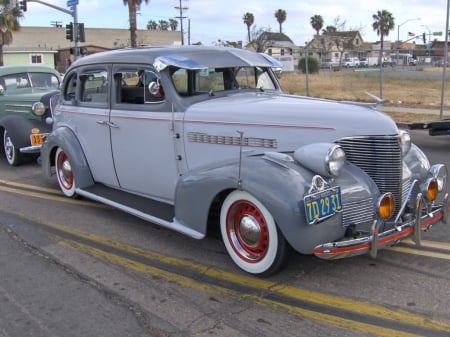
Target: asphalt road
[(77, 268)]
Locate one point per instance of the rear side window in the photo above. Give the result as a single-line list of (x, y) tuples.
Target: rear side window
[(94, 87), (70, 87)]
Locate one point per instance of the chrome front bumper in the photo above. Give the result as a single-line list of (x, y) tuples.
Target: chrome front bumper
[(375, 241)]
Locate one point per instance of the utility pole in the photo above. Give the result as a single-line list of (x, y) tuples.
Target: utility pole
[(181, 17)]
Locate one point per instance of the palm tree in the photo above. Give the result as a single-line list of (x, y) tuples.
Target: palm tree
[(9, 22), (281, 17), (317, 23), (133, 7), (249, 19), (383, 23), (173, 24)]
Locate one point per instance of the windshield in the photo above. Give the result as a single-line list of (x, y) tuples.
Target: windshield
[(192, 82), (44, 80)]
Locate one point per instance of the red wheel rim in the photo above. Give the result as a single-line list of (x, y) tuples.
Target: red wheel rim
[(64, 171), (247, 231)]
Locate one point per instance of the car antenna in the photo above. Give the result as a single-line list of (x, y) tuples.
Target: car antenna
[(241, 134)]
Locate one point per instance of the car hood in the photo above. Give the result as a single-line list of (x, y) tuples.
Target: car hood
[(290, 120)]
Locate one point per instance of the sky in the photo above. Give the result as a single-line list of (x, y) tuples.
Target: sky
[(210, 21)]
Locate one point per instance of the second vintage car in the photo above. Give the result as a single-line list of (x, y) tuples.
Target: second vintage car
[(195, 138), (25, 93)]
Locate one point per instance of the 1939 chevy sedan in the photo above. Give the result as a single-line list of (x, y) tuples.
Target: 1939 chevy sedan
[(197, 137)]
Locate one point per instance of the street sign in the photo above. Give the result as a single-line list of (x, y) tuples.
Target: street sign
[(72, 3)]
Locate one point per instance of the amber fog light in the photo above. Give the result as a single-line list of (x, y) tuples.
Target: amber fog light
[(432, 189), (386, 206)]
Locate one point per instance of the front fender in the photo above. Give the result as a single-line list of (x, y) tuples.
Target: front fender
[(19, 129), (64, 138), (280, 188)]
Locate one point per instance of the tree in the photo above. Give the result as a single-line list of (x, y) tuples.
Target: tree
[(9, 22), (133, 7), (281, 17), (173, 24), (164, 25), (152, 25), (329, 29), (249, 20), (317, 23), (383, 23)]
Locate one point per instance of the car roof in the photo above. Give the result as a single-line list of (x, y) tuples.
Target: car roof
[(8, 70), (190, 57)]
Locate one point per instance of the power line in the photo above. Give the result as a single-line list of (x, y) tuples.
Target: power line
[(181, 17)]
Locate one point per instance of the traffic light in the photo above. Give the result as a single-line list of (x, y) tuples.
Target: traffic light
[(69, 31), (424, 38), (81, 36), (23, 5)]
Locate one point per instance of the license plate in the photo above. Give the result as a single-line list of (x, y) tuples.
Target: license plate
[(322, 205), (37, 138)]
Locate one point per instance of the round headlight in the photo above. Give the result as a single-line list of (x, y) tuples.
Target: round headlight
[(405, 141), (38, 109), (335, 160)]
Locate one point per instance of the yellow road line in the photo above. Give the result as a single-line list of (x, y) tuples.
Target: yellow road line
[(59, 198), (288, 291), (326, 319), (30, 187), (436, 255), (431, 244)]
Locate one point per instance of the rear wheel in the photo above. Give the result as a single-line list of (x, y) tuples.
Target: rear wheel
[(251, 236), (64, 173), (13, 156)]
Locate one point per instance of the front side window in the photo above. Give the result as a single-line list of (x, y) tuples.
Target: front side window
[(138, 86)]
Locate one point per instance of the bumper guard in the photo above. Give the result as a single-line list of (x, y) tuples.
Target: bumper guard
[(375, 241)]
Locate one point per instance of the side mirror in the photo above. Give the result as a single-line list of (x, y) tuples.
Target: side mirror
[(2, 89), (155, 89)]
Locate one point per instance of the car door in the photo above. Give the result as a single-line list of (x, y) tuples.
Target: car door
[(86, 103), (142, 134)]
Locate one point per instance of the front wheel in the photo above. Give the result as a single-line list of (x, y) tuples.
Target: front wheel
[(64, 173), (12, 154), (251, 236)]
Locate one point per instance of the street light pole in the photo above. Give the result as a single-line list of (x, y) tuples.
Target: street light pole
[(398, 35)]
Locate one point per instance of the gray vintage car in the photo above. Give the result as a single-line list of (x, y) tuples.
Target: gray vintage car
[(196, 138)]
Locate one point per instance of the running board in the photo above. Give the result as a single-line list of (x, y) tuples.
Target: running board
[(154, 211)]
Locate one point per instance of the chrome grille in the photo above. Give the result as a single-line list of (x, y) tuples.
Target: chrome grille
[(380, 157)]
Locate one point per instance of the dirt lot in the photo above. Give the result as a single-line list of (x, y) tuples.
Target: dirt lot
[(416, 92)]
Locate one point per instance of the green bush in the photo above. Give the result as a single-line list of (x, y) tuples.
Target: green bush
[(313, 65)]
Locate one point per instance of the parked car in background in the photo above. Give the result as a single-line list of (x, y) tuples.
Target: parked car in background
[(198, 138), (350, 62), (25, 93), (364, 62), (329, 63)]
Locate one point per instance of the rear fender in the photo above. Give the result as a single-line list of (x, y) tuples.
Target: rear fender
[(65, 139)]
